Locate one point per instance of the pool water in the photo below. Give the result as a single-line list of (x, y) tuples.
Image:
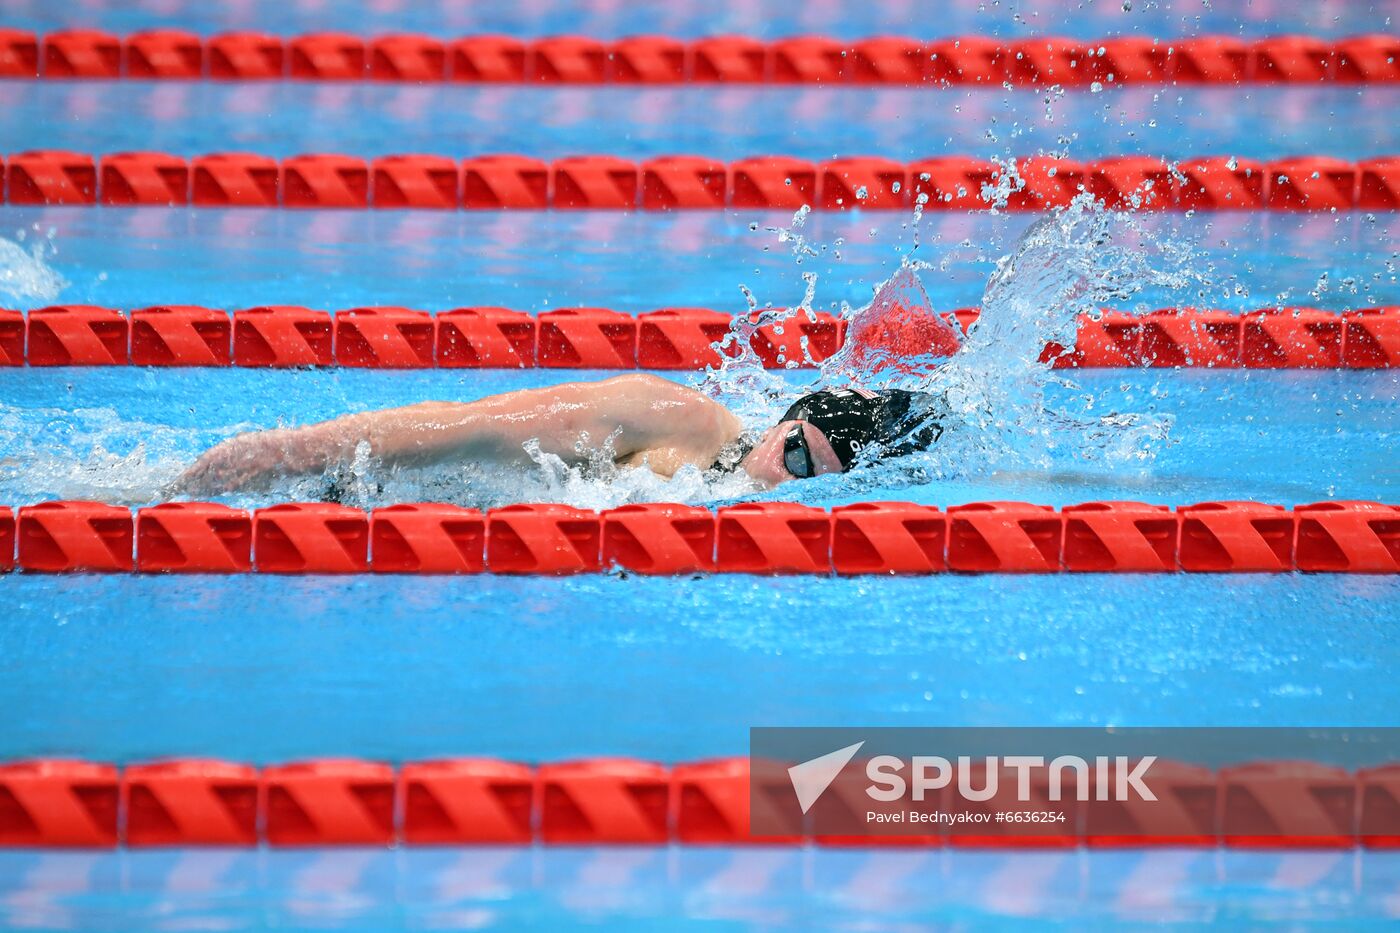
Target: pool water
[(123, 668)]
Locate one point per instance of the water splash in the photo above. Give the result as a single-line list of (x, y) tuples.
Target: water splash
[(25, 274)]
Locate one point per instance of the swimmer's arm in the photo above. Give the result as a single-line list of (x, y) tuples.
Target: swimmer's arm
[(633, 413)]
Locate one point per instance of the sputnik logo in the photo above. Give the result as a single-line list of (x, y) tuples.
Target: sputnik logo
[(811, 778)]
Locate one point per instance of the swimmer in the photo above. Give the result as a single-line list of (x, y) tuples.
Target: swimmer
[(641, 420)]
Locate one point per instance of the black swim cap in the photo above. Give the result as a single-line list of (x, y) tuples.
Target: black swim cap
[(869, 426)]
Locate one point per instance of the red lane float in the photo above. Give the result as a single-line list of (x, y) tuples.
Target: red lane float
[(190, 802), (1291, 59), (1378, 803), (499, 182), (1120, 536), (670, 538), (385, 338), (542, 539), (1184, 813), (1212, 60), (1371, 338), (887, 60), (78, 335), (1133, 183), (729, 60), (684, 182), (649, 60), (19, 54), (12, 332), (193, 537), (328, 802), (427, 538), (488, 58), (51, 176), (1291, 338), (1041, 61), (1284, 804), (1131, 60), (806, 60), (235, 179), (505, 182), (772, 182), (1378, 184), (326, 56), (952, 182), (1004, 537), (888, 537), (569, 60), (310, 537), (63, 537), (587, 338), (1348, 537), (81, 53), (603, 800), (1203, 338), (659, 538), (247, 56), (1311, 183), (1047, 60), (670, 338), (420, 59), (1366, 60), (181, 335), (56, 803), (798, 341), (477, 338), (1046, 183), (1223, 537), (325, 181), (150, 178), (282, 336), (680, 338), (163, 53), (847, 184), (7, 539), (466, 801), (773, 538), (594, 182), (968, 60), (1220, 184), (179, 802), (416, 181), (1112, 340)]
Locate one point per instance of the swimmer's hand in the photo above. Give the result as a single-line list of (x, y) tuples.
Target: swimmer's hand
[(241, 462)]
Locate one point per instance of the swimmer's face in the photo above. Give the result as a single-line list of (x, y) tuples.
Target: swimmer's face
[(767, 462)]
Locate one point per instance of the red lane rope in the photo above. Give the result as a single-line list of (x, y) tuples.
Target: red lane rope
[(1271, 804), (668, 339), (885, 60), (670, 539), (598, 182)]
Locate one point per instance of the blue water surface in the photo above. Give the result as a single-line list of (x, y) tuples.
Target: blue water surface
[(368, 120), (760, 18), (634, 262), (725, 889)]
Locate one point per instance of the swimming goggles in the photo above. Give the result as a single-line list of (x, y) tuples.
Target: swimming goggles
[(797, 458)]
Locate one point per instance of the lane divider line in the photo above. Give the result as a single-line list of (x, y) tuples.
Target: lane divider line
[(470, 801), (672, 539), (690, 182), (684, 339), (900, 61)]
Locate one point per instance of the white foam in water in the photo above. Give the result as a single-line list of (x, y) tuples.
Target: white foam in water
[(25, 275)]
